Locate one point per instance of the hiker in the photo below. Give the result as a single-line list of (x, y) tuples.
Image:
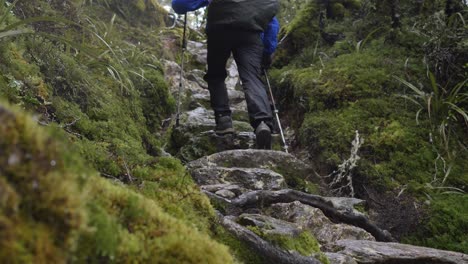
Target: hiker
[(248, 29)]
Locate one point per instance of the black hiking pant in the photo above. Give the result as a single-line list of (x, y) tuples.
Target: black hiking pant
[(247, 49)]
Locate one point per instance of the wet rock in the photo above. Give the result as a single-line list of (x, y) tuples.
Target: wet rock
[(292, 169), (202, 120), (203, 96), (370, 252), (208, 143), (269, 225), (232, 80), (195, 137), (236, 189), (336, 258), (172, 76), (226, 194), (313, 219), (198, 51), (196, 75), (247, 178)]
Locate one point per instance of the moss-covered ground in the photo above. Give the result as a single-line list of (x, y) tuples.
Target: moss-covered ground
[(333, 79), (56, 209)]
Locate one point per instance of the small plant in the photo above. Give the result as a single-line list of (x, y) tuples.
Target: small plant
[(446, 112)]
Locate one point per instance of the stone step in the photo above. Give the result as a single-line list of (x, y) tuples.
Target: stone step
[(297, 174), (245, 178), (195, 137), (202, 120)]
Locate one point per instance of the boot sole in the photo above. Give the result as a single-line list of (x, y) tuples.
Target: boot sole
[(264, 139)]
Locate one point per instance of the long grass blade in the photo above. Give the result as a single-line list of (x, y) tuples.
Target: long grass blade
[(417, 115), (411, 86), (460, 111)]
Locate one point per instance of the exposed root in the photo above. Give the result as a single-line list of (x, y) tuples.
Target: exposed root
[(259, 199)]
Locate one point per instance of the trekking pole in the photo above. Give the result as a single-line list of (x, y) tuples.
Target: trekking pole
[(276, 113), (181, 83)]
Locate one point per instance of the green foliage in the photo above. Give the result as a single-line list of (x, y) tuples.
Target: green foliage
[(301, 31), (445, 110), (332, 91), (445, 229)]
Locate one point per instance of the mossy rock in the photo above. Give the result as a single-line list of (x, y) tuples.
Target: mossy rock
[(130, 227), (285, 235), (297, 174)]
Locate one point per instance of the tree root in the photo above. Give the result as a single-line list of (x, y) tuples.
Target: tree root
[(264, 198)]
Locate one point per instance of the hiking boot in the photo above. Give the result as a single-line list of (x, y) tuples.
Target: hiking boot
[(224, 125), (263, 136)]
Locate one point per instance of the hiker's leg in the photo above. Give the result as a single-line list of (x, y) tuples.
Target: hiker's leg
[(248, 55), (219, 51)]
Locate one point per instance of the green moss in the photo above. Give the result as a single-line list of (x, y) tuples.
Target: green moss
[(144, 232), (169, 184), (302, 31), (361, 208), (332, 91), (303, 243), (39, 224), (337, 10), (242, 252), (446, 225), (52, 208), (301, 184)]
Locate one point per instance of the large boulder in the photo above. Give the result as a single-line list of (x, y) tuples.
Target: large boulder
[(296, 173), (371, 252)]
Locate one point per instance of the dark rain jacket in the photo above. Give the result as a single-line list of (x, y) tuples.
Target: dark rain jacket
[(269, 34)]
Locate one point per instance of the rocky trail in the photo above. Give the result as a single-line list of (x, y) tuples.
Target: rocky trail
[(269, 199)]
